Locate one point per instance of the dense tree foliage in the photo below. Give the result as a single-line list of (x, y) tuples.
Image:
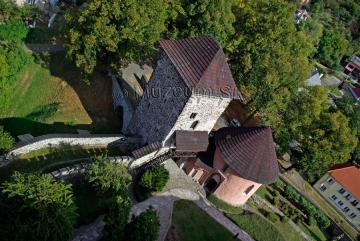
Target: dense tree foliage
[(209, 18), (114, 30), (144, 227), (6, 141), (108, 177), (36, 207), (117, 219), (332, 48), (265, 39), (155, 179)]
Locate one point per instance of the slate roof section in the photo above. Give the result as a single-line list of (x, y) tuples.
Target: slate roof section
[(249, 151), (349, 178), (202, 65), (191, 141)]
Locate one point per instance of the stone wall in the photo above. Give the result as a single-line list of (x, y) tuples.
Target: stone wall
[(161, 104), (53, 140), (207, 109)]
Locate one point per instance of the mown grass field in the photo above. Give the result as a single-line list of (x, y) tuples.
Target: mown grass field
[(190, 223), (50, 97)]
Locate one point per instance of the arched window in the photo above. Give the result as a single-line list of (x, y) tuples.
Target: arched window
[(248, 190), (194, 124)]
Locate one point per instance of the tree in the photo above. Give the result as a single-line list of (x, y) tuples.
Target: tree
[(313, 29), (117, 219), (107, 177), (15, 30), (36, 207), (6, 141), (144, 227), (155, 179), (332, 47), (113, 31), (268, 56), (199, 18)]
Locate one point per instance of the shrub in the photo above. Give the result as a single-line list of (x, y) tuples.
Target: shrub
[(6, 141), (273, 217), (144, 227), (116, 219), (311, 221), (155, 179), (107, 177), (36, 207), (284, 219), (278, 184)]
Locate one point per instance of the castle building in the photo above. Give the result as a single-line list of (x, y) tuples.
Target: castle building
[(189, 89)]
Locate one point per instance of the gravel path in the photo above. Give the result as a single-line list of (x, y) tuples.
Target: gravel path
[(37, 48)]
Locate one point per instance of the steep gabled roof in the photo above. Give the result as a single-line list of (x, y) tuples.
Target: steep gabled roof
[(349, 178), (202, 65), (191, 141), (250, 152)]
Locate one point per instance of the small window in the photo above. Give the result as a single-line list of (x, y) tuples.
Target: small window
[(346, 209), (355, 202), (333, 197), (348, 196), (330, 181), (193, 115), (248, 190), (194, 124), (340, 203), (352, 215), (342, 191), (322, 187)]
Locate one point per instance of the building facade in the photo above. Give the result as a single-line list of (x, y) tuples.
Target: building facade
[(341, 188)]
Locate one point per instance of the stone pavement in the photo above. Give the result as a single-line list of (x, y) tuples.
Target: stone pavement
[(91, 232)]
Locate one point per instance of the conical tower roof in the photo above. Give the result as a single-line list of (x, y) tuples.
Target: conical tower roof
[(250, 152)]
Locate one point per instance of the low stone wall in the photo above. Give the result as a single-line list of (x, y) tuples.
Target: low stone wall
[(68, 172), (54, 140)]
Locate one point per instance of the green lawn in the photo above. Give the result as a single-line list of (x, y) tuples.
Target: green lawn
[(313, 232), (259, 228), (264, 192), (190, 223), (49, 159), (224, 206)]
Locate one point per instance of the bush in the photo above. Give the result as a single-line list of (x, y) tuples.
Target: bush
[(6, 141), (36, 207), (311, 221), (116, 219), (273, 217), (144, 227), (108, 178), (284, 219), (155, 179)]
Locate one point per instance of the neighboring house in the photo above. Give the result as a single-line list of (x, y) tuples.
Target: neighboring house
[(352, 68), (189, 89), (237, 162), (301, 15), (315, 78), (341, 188), (351, 91)]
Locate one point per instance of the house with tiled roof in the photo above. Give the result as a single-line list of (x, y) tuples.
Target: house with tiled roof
[(340, 187), (352, 67), (188, 91)]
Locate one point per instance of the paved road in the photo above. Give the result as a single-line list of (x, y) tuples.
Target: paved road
[(37, 48)]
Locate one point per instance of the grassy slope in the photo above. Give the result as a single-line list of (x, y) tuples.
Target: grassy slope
[(258, 227), (191, 223), (55, 81)]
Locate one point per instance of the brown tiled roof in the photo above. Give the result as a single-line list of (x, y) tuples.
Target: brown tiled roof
[(249, 151), (191, 141), (349, 178), (202, 65)]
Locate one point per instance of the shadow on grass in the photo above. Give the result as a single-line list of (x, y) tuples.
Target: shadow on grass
[(19, 126), (96, 97)]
